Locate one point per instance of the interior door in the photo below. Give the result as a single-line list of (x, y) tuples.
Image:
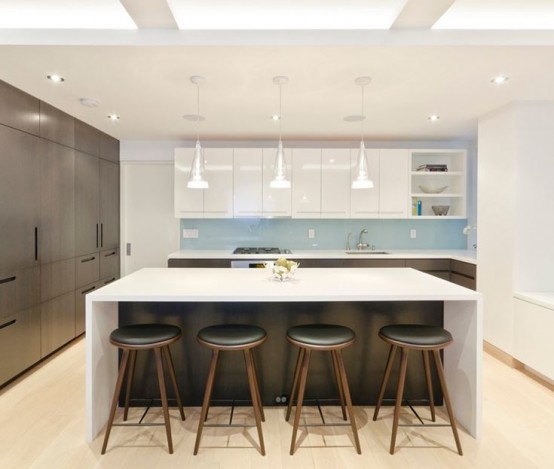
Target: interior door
[(148, 221)]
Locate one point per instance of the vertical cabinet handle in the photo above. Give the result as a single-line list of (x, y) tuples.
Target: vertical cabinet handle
[(97, 235), (36, 243)]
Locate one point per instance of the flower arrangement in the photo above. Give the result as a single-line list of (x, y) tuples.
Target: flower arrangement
[(282, 269)]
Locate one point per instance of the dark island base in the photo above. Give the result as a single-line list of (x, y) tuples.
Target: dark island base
[(365, 360)]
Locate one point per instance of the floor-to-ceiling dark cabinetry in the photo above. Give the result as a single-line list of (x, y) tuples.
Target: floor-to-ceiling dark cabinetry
[(59, 226)]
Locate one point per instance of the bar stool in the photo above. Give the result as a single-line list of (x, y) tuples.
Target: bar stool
[(225, 338), (416, 337), (324, 337), (156, 337)]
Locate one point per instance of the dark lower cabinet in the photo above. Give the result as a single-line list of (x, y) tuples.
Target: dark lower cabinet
[(80, 301), (19, 342), (57, 323), (464, 274)]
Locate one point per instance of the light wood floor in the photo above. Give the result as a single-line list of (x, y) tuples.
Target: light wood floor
[(42, 426)]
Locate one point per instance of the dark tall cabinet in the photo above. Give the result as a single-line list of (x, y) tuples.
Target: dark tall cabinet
[(59, 226)]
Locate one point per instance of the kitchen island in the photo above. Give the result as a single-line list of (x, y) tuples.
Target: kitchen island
[(373, 297)]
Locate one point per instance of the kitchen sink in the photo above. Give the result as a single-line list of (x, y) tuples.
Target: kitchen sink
[(361, 251)]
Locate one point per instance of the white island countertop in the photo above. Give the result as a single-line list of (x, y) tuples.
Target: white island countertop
[(315, 284), (456, 254), (462, 316)]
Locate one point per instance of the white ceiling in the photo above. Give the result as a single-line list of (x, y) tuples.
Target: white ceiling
[(143, 74)]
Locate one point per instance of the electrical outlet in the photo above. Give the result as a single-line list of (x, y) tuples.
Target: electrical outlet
[(413, 234), (311, 233), (190, 233)]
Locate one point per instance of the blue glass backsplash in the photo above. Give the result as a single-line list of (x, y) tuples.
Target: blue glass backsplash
[(329, 234)]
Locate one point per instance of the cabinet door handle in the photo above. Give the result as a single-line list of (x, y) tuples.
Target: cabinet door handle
[(36, 243), (8, 279), (9, 323), (88, 290), (88, 259), (109, 254), (110, 281), (97, 235)]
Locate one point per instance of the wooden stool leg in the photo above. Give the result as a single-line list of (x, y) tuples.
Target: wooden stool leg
[(446, 396), (257, 385), (254, 396), (130, 376), (339, 383), (118, 384), (171, 369), (390, 360), (399, 394), (297, 368), (425, 354), (300, 398), (163, 395), (344, 380), (207, 397)]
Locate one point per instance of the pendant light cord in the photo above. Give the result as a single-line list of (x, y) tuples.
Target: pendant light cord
[(363, 115), (197, 112), (280, 114)]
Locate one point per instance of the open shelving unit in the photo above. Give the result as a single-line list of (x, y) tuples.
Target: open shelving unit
[(454, 180)]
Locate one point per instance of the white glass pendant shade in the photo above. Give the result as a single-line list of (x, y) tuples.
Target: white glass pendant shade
[(280, 180), (362, 180), (197, 179)]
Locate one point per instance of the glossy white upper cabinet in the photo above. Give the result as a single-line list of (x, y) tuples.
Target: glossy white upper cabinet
[(394, 183), (306, 190), (247, 181), (335, 183), (364, 203), (276, 202), (189, 203), (217, 200)]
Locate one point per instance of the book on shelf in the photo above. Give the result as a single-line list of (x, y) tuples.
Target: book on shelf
[(432, 167)]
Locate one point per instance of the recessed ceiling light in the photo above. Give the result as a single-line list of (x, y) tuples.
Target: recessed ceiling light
[(55, 78), (194, 118), (274, 117), (113, 117), (354, 118), (434, 117), (89, 102), (499, 79)]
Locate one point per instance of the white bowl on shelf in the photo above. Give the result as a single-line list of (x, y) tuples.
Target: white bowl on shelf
[(429, 189)]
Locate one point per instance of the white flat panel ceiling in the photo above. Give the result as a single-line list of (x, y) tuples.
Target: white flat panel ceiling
[(283, 14), (498, 14), (64, 14)]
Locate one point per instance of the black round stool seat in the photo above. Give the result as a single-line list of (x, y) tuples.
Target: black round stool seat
[(231, 335), (417, 335), (321, 335), (144, 335)]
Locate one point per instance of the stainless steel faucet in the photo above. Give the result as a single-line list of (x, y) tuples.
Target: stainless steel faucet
[(360, 244), (347, 247)]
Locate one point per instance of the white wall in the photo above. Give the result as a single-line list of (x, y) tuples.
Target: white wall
[(515, 220)]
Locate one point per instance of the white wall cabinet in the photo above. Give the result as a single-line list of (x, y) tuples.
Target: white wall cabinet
[(321, 181), (394, 183), (335, 183), (214, 202), (275, 202), (424, 183), (306, 190), (364, 203)]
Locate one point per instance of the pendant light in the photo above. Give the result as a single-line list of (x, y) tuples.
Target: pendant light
[(280, 180), (362, 180), (196, 178)]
